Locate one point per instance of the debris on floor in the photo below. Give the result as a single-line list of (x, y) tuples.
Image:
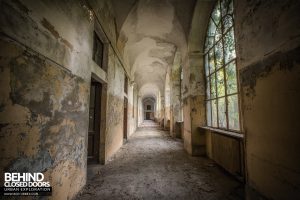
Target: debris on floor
[(152, 165)]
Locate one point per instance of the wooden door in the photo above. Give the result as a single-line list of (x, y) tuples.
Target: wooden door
[(148, 115), (94, 122), (125, 118)]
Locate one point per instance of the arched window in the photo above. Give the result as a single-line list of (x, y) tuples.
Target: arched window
[(222, 104)]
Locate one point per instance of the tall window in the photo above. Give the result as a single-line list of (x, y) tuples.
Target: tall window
[(220, 69), (98, 50)]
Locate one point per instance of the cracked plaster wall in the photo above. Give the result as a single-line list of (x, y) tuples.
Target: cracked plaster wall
[(175, 114), (45, 66), (104, 12), (44, 113), (268, 52), (193, 84), (45, 91)]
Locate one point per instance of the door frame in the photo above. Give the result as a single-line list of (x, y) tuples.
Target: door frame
[(125, 119), (96, 123), (103, 109)]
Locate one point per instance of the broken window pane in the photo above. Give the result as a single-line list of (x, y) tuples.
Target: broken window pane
[(222, 112), (220, 83), (231, 78), (214, 116), (229, 46), (208, 112), (233, 112)]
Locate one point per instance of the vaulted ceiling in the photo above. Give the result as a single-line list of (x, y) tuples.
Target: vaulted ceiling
[(150, 32)]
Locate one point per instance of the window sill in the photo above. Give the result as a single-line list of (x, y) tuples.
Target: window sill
[(223, 132)]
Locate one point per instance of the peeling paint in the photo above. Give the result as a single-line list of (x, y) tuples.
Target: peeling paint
[(267, 35), (52, 30), (263, 68), (48, 129)]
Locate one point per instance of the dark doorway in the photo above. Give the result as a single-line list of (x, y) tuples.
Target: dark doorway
[(125, 118), (148, 116), (94, 122)]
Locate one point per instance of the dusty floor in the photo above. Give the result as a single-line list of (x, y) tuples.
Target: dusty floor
[(152, 165)]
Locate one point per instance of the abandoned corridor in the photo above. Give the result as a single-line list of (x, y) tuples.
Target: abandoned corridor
[(153, 165), (220, 79)]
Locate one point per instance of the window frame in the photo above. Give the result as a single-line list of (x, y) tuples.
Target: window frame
[(223, 67), (148, 107), (99, 62)]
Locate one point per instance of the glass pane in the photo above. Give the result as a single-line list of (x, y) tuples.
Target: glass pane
[(233, 112), (216, 14), (207, 88), (231, 78), (224, 7), (218, 33), (229, 46), (211, 28), (209, 42), (210, 35), (206, 64), (219, 54), (211, 61), (214, 113), (97, 50), (208, 113), (227, 22), (213, 85), (230, 8), (222, 112), (220, 83)]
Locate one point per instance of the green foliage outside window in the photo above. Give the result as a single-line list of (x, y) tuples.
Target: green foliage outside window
[(222, 102)]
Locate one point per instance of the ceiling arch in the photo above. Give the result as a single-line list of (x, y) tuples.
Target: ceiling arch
[(149, 37), (199, 25), (149, 90)]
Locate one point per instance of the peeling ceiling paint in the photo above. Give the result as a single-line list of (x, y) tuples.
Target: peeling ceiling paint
[(150, 36)]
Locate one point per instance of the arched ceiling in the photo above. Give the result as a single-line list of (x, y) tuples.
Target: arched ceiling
[(149, 36), (199, 25), (121, 10), (149, 99), (149, 90)]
